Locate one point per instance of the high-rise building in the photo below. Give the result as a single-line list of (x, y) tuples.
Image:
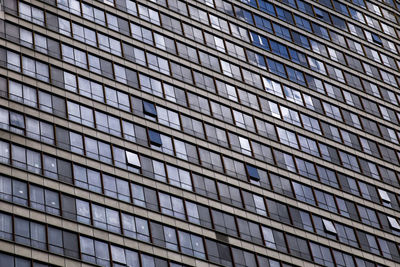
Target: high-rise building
[(159, 133)]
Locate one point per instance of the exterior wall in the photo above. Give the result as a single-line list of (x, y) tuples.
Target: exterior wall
[(215, 133)]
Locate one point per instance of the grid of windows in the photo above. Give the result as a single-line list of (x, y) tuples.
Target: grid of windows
[(120, 222), (215, 114)]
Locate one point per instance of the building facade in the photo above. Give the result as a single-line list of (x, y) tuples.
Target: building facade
[(199, 133)]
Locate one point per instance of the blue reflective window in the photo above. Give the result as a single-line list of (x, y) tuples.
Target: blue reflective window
[(291, 3), (295, 75), (284, 15), (253, 172), (263, 23), (267, 7), (301, 40), (359, 2), (303, 23), (391, 3), (276, 67), (305, 7), (149, 109), (259, 41), (279, 49), (155, 138), (357, 15), (341, 8), (376, 39), (320, 31), (282, 31), (326, 3), (260, 61), (298, 57), (244, 15), (252, 3), (323, 15), (339, 23)]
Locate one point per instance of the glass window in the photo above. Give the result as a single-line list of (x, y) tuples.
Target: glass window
[(224, 222), (287, 137), (172, 206), (230, 194), (154, 87), (252, 172), (6, 226), (90, 89), (105, 218), (149, 15), (274, 239), (135, 227), (144, 197), (168, 117), (205, 186), (155, 138), (219, 253), (151, 261), (107, 123), (133, 159), (179, 177), (191, 244), (116, 188), (298, 247), (346, 235), (393, 223), (44, 200), (83, 211), (329, 227), (322, 254), (164, 236), (198, 214), (87, 178), (303, 193), (249, 231), (80, 114)]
